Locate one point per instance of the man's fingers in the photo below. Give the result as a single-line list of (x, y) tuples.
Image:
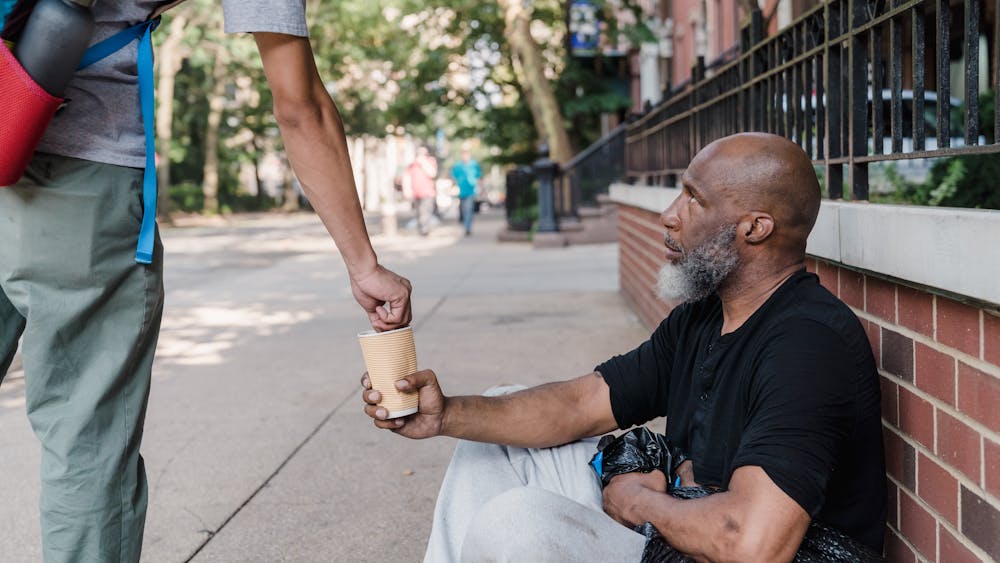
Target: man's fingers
[(366, 382), (371, 396), (379, 415), (415, 381)]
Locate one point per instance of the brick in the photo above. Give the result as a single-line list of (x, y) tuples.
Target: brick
[(829, 276), (642, 229), (980, 522), (991, 451), (897, 354), (880, 298), (952, 550), (890, 400), (938, 488), (958, 445), (958, 326), (896, 551), (979, 395), (991, 338), (916, 418), (892, 500), (852, 289), (874, 332), (916, 310), (918, 526), (900, 460), (934, 373)]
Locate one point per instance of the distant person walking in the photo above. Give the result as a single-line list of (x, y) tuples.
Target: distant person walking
[(421, 174), (466, 173)]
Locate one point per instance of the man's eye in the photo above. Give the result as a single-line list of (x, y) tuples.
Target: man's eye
[(693, 199)]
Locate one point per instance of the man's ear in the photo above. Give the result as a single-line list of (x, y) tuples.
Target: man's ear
[(756, 227)]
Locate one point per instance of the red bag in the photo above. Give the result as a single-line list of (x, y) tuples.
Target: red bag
[(25, 112)]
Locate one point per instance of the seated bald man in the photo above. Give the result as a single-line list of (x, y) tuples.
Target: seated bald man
[(767, 382)]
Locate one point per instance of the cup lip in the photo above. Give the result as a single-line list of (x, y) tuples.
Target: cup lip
[(372, 332)]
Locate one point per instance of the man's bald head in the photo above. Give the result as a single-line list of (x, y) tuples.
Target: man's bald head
[(763, 172)]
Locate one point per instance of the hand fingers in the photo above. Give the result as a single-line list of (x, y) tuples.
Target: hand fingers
[(366, 381), (379, 415), (372, 397), (416, 381)]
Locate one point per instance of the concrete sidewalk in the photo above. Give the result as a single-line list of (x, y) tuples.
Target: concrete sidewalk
[(256, 445)]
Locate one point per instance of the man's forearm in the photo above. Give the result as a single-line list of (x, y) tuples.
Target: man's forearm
[(736, 525), (317, 147), (543, 416), (317, 150)]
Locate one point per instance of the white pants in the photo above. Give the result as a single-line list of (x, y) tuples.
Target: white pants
[(507, 504)]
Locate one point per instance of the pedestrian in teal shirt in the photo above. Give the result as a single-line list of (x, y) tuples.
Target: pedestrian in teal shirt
[(466, 173)]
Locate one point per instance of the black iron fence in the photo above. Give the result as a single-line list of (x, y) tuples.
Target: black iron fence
[(852, 82), (579, 183), (590, 173), (521, 202)]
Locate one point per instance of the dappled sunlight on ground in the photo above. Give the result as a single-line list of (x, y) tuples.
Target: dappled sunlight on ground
[(202, 335)]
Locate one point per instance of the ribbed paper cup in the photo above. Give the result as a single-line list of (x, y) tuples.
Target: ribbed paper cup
[(389, 357)]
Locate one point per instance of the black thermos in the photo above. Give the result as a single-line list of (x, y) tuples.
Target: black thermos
[(54, 40)]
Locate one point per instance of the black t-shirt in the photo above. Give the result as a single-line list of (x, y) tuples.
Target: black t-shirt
[(794, 391)]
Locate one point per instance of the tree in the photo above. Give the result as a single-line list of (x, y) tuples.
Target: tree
[(529, 67)]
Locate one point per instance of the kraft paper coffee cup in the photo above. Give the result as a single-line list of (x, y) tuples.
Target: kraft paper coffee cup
[(389, 357)]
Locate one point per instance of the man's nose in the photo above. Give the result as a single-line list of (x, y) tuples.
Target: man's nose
[(669, 217)]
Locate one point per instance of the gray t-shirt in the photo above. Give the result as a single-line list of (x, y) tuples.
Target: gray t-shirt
[(102, 122)]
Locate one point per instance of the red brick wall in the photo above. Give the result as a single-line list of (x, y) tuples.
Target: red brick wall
[(939, 362)]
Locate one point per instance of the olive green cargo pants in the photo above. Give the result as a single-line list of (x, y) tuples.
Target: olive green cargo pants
[(90, 316)]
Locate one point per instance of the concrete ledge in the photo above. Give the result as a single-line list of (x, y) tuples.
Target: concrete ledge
[(549, 240), (507, 235), (954, 250)]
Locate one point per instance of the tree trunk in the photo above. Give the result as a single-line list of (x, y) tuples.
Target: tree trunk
[(170, 55), (290, 196), (530, 69), (216, 104)]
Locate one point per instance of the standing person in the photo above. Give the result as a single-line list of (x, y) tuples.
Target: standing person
[(467, 173), (767, 382), (90, 314), (421, 174)]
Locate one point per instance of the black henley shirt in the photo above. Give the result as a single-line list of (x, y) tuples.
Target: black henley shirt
[(794, 390)]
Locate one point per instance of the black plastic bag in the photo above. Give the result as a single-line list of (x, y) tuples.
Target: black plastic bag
[(637, 451), (643, 451)]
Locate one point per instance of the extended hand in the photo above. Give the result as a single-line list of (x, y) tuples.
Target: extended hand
[(430, 407), (379, 287), (625, 491)]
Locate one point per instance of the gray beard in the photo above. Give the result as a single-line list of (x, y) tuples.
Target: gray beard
[(701, 271)]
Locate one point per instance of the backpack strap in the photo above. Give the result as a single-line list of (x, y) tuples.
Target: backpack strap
[(159, 11), (143, 32)]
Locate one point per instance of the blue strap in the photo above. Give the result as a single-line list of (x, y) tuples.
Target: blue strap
[(142, 32)]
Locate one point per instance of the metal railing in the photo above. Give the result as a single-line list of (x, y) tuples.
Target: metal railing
[(850, 81), (590, 173)]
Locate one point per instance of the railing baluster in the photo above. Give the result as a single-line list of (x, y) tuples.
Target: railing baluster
[(878, 80), (896, 72), (919, 48), (943, 74), (797, 87), (972, 72), (858, 81), (758, 91), (834, 172)]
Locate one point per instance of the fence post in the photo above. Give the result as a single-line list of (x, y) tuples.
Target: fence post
[(858, 100), (545, 170)]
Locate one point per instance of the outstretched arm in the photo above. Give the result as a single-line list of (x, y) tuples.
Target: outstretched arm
[(754, 520), (313, 133), (547, 415)]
